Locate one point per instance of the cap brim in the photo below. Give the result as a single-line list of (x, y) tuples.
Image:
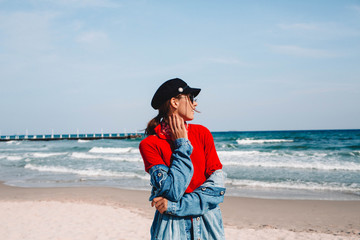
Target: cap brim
[(194, 91)]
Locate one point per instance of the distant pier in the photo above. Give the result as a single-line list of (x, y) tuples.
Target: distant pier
[(53, 137)]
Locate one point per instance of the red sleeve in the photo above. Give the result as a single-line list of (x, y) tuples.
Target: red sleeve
[(212, 160), (150, 154)]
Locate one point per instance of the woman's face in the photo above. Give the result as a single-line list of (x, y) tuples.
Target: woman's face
[(186, 107)]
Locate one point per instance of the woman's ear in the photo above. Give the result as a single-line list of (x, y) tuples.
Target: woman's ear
[(174, 102)]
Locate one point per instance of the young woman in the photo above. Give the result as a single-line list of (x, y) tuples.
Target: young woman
[(185, 171)]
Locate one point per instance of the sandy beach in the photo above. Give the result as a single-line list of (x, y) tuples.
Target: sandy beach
[(111, 213)]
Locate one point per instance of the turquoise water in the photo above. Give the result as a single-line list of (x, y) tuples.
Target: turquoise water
[(269, 164)]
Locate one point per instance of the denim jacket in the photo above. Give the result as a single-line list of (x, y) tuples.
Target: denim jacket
[(200, 206)]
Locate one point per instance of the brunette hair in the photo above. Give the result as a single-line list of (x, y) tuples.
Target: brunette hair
[(163, 113)]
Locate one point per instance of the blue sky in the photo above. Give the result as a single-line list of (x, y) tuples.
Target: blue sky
[(95, 64)]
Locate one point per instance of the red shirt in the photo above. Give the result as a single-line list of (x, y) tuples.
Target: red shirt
[(157, 149)]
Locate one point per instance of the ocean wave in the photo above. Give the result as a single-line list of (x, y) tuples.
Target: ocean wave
[(81, 155), (314, 159), (24, 148), (14, 142), (287, 154), (355, 153), (83, 141), (14, 158), (245, 153), (46, 155), (113, 150), (11, 157), (85, 172), (295, 185), (261, 141), (274, 154), (228, 146), (127, 158), (314, 165)]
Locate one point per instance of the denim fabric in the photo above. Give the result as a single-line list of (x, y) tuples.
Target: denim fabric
[(201, 205), (188, 228), (172, 182), (202, 199)]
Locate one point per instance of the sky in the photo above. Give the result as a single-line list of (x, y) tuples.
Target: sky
[(94, 65)]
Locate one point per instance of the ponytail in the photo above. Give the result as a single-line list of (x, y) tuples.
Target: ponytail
[(150, 129), (163, 113)]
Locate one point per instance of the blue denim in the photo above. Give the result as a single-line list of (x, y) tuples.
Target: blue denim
[(201, 205), (172, 182)]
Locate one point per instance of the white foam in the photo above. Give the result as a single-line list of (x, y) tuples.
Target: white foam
[(283, 154), (45, 155), (281, 159), (349, 166), (276, 159), (81, 155), (27, 149), (260, 141), (14, 158), (113, 150), (245, 153), (14, 142), (127, 158), (355, 188), (228, 145), (355, 153), (11, 157), (85, 172), (83, 141), (320, 154)]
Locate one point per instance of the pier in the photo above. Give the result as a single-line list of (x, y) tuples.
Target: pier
[(53, 137)]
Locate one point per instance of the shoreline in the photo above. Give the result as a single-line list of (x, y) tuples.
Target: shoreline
[(333, 218)]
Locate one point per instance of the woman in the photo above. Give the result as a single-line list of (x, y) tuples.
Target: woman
[(185, 171)]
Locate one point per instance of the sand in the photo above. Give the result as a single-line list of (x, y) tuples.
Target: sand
[(111, 213)]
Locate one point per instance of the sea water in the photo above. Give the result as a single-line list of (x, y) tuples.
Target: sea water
[(268, 164)]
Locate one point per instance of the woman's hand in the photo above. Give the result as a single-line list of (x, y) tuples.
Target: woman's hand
[(160, 203), (177, 127)]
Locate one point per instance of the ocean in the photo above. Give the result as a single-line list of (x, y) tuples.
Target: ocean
[(322, 164)]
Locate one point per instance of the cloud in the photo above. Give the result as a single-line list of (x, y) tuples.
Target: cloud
[(77, 25), (26, 31), (92, 37), (80, 3), (303, 52), (320, 30), (299, 26), (227, 61), (356, 8)]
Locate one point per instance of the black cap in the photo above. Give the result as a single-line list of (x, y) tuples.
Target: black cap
[(171, 88)]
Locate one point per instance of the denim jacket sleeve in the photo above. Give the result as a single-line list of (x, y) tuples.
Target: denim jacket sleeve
[(206, 197), (172, 182)]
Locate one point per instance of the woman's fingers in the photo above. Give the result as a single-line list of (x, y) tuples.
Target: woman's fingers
[(174, 123), (182, 125), (160, 204), (177, 126), (162, 209), (177, 123), (155, 200), (171, 123)]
